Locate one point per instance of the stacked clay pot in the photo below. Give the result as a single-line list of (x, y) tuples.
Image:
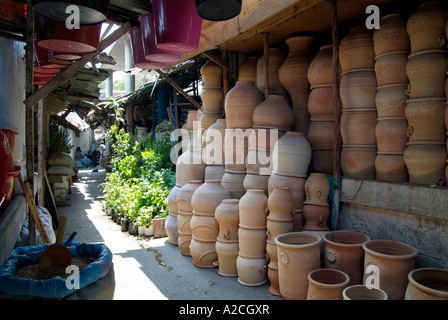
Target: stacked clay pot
[(248, 70), (185, 213), (390, 68), (279, 221), (276, 58), (190, 166), (252, 262), (227, 247), (213, 153), (359, 116), (316, 209), (171, 222), (212, 94), (425, 156), (321, 110), (204, 225), (293, 75), (235, 153)]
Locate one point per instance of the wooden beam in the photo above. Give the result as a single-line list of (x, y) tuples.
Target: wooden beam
[(41, 146), (225, 74), (217, 60), (71, 71), (266, 64), (179, 89)]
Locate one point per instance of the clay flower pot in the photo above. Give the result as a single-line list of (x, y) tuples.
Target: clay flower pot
[(343, 251), (316, 217), (390, 68), (356, 50), (320, 103), (427, 284), (326, 284), (426, 119), (233, 182), (358, 89), (251, 272), (276, 58), (391, 135), (248, 70), (358, 163), (280, 204), (228, 216), (394, 261), (392, 36), (320, 71), (253, 209), (212, 99), (211, 74), (274, 113), (296, 187), (391, 167), (362, 292), (227, 252), (298, 253), (391, 101), (358, 127), (317, 189)]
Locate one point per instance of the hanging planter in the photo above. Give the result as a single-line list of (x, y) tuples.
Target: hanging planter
[(91, 11), (138, 53), (218, 10), (151, 52), (177, 25)]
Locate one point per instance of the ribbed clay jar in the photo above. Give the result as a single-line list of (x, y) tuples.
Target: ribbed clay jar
[(426, 27), (358, 89), (296, 187), (212, 99), (358, 127), (233, 182), (392, 36), (391, 135), (427, 284), (248, 70), (358, 163), (390, 68), (426, 119), (228, 216), (274, 113), (391, 167), (203, 253), (317, 189), (320, 104), (252, 242), (320, 135), (252, 208), (280, 204), (391, 101), (240, 103), (211, 74), (356, 49), (394, 261), (326, 284), (276, 58), (320, 71)]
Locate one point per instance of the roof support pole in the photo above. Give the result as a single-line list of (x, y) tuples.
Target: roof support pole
[(266, 64)]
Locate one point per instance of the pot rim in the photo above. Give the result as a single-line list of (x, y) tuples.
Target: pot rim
[(328, 285), (380, 291), (358, 70), (412, 254), (426, 51), (331, 242), (388, 53), (315, 242), (424, 288)]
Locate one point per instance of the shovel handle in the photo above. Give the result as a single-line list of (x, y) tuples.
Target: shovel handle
[(61, 229)]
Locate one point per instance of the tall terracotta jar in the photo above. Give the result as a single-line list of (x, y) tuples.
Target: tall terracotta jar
[(252, 208), (320, 103), (276, 58), (211, 74), (426, 71), (391, 135), (227, 251), (358, 127), (274, 113), (343, 251), (358, 89), (391, 167), (321, 135), (358, 163), (190, 166), (296, 186), (233, 182), (392, 36), (427, 284), (214, 173), (320, 71), (236, 144), (208, 197), (251, 272), (213, 152), (362, 292), (390, 68), (317, 189), (394, 261), (391, 100), (248, 70), (293, 73), (356, 50), (240, 103), (426, 27), (298, 254), (426, 119), (316, 217), (291, 155), (256, 181), (280, 204), (212, 99), (252, 242), (228, 216), (204, 226), (326, 284)]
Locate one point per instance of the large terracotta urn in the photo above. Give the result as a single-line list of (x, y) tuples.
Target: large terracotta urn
[(212, 99), (233, 182), (252, 242), (426, 119), (326, 284), (427, 284), (358, 89), (276, 58), (426, 27), (356, 49), (392, 36), (208, 197), (298, 254), (190, 166), (252, 208), (358, 162), (391, 135), (293, 73), (393, 260), (296, 186), (248, 70), (320, 103), (228, 216), (204, 227), (358, 127), (240, 103), (274, 113), (317, 189), (390, 68), (320, 71), (211, 74), (391, 100), (391, 167)]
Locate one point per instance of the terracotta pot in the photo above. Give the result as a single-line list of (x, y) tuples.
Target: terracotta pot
[(358, 126), (316, 217), (320, 71), (296, 187), (204, 227), (190, 166), (426, 119), (293, 73), (426, 163), (298, 254), (183, 242), (276, 228), (301, 121), (426, 27), (358, 163), (212, 99), (203, 254), (185, 194), (390, 68), (183, 222), (227, 252), (211, 74), (233, 182), (320, 104), (252, 242), (214, 139), (208, 197), (251, 272), (426, 71), (248, 70), (209, 118), (274, 113), (358, 89), (326, 284), (391, 167), (391, 101), (321, 135), (391, 135), (171, 229), (276, 58), (264, 139), (274, 288), (254, 181), (427, 284), (235, 150), (291, 155), (228, 216), (191, 118), (258, 162), (322, 161), (253, 209), (317, 189), (214, 173), (271, 253), (172, 200), (394, 260), (362, 292), (343, 251), (356, 50), (392, 36), (280, 204)]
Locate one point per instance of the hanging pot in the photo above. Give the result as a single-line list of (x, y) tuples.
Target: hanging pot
[(177, 25), (67, 57), (218, 10), (138, 53)]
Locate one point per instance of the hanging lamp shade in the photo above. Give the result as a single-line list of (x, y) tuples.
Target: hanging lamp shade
[(218, 10), (177, 25), (138, 53), (91, 11), (152, 53)]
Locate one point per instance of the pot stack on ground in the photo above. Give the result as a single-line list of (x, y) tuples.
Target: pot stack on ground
[(359, 116), (316, 209), (426, 154), (212, 94), (213, 152), (321, 110), (392, 126)]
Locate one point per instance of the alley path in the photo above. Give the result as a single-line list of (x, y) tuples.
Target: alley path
[(145, 268)]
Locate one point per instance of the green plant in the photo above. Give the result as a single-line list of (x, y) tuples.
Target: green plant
[(59, 139)]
